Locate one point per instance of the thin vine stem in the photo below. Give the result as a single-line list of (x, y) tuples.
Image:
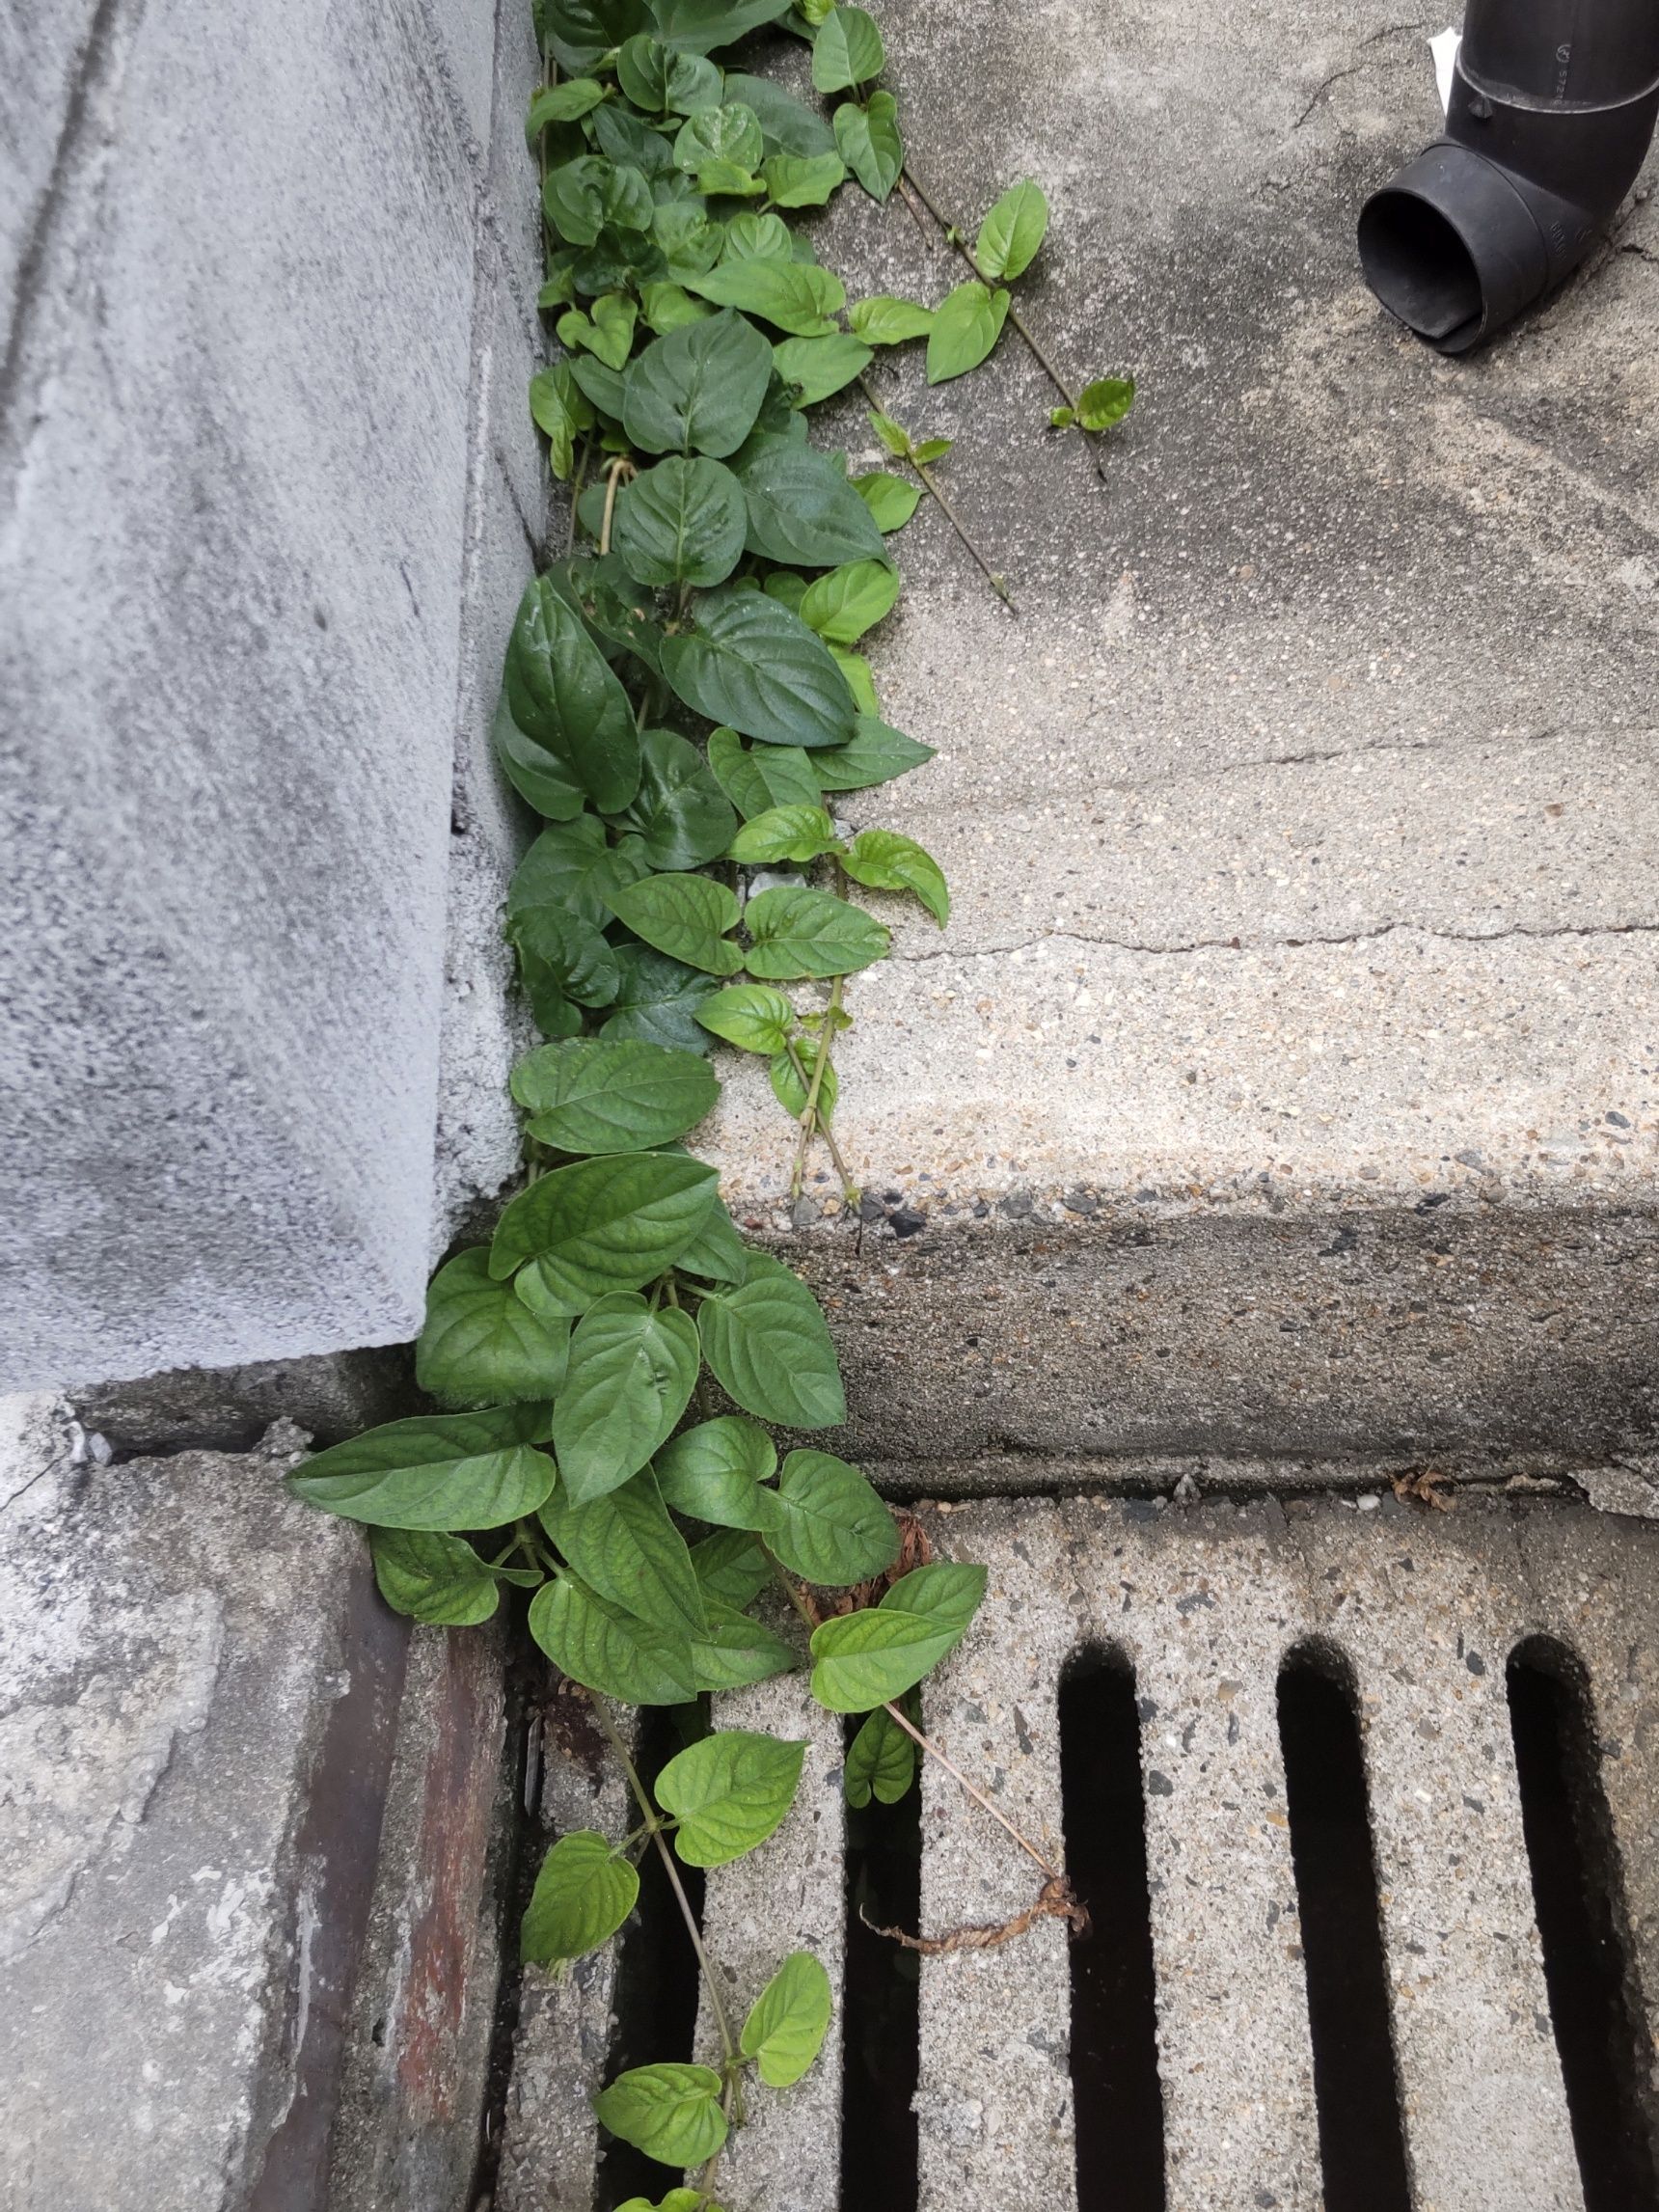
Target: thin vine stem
[(949, 512), (978, 1795), (909, 183), (810, 1112), (642, 1798), (849, 1189)]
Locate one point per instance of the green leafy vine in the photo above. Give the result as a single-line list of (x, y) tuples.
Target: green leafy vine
[(683, 699)]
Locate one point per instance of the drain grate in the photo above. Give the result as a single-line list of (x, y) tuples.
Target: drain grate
[(1408, 1621)]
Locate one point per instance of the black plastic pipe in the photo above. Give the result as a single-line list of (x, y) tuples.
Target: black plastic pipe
[(1552, 110)]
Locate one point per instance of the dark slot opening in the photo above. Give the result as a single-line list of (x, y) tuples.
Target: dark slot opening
[(1579, 1896), (880, 2025), (657, 1973), (1361, 2149), (1114, 2008)]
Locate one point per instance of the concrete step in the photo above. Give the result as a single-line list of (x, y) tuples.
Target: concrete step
[(1287, 1077)]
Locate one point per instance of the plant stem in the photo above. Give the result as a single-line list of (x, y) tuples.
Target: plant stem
[(953, 237), (642, 1798), (978, 1795), (576, 483), (810, 1112), (949, 512), (617, 469), (849, 1189)]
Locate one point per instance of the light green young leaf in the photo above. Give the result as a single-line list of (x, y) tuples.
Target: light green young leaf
[(596, 1097), (751, 1016), (670, 2113), (931, 450), (698, 389), (768, 775), (803, 931), (875, 755), (438, 1579), (768, 1347), (442, 1471), (582, 1895), (480, 1345), (714, 1473), (682, 522), (677, 2201), (868, 141), (819, 366), (1106, 401), (789, 1092), (886, 862), (607, 332), (847, 51), (868, 1658), (802, 510), (792, 180), (880, 1763), (561, 103), (631, 1377), (758, 238), (967, 325), (729, 181), (833, 1529), (893, 435), (884, 320), (667, 307), (850, 600), (683, 816), (686, 916), (604, 1649), (785, 2030), (890, 500), (657, 1002), (1012, 233), (753, 665), (604, 1225), (729, 1793), (856, 674), (730, 1567), (796, 296), (785, 833), (731, 133)]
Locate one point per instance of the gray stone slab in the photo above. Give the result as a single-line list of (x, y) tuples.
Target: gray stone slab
[(198, 1704), (236, 426)]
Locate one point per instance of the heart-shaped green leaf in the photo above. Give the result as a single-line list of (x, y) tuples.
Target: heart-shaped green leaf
[(851, 600), (755, 779), (753, 665), (670, 2113), (604, 1225), (868, 1658), (729, 1793), (880, 1763), (604, 1649), (737, 1651), (785, 833), (630, 1379), (715, 1471), (792, 182), (582, 1895), (868, 141), (967, 325), (437, 1579), (598, 1097), (803, 931), (832, 1528), (887, 861), (683, 817), (818, 367), (480, 1344), (730, 1567), (790, 2018), (656, 1000), (874, 754), (847, 51), (884, 320), (682, 522), (686, 916), (770, 1350), (802, 509), (795, 296), (1012, 233), (751, 1016), (562, 693), (891, 501), (435, 1471), (699, 388), (629, 1552), (788, 125)]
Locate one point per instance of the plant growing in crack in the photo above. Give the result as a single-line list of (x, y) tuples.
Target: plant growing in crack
[(683, 700)]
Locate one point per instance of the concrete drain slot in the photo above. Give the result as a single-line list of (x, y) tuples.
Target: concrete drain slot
[(1579, 1894), (879, 2022), (1118, 2103), (1362, 2153)]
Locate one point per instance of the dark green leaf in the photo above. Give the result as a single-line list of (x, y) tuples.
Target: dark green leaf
[(569, 953), (890, 500), (556, 1016), (869, 143), (966, 328), (786, 2027), (886, 862), (682, 522), (753, 665), (818, 367), (714, 1472), (688, 239), (572, 865), (803, 931), (683, 817), (596, 1097), (604, 1224), (700, 387), (657, 79), (537, 775), (875, 755), (729, 1793), (802, 510), (717, 1254), (868, 1658), (658, 1000), (601, 385), (480, 1345), (627, 1550), (438, 1579), (851, 600), (880, 1763), (581, 32), (672, 2114), (1106, 401), (700, 26), (610, 601), (687, 916), (1012, 233), (435, 1471), (769, 1351), (629, 1380), (751, 1016), (793, 295), (563, 694), (731, 1568), (582, 196), (788, 125), (584, 1893), (771, 775), (833, 1529), (604, 1649), (847, 51)]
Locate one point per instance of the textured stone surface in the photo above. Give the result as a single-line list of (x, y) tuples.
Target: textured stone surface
[(198, 1693), (251, 552)]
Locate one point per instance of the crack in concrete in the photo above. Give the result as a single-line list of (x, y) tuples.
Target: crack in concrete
[(1336, 76), (1129, 785), (1274, 944)]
